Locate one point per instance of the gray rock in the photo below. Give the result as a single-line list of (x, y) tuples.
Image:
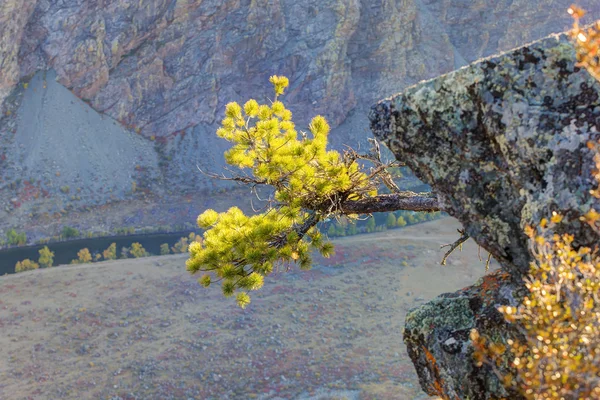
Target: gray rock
[(437, 336), (503, 144)]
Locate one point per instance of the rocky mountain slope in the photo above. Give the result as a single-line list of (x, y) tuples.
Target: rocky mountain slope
[(157, 74)]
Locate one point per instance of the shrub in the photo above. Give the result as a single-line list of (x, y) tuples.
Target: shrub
[(164, 249), (352, 229), (181, 246), (83, 256), (400, 222), (111, 252), (371, 225), (26, 265), (331, 230), (69, 232), (16, 239), (192, 237), (390, 221), (559, 353), (137, 250), (46, 257)]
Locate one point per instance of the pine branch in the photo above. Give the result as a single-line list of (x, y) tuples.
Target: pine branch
[(458, 244), (405, 200)]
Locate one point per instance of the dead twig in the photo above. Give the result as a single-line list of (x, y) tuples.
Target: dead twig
[(453, 246)]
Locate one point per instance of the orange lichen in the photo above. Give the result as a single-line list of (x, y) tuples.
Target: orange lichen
[(437, 387), (490, 284)]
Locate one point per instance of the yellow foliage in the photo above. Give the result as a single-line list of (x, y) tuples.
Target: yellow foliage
[(83, 256), (239, 249), (561, 319), (26, 265), (137, 250), (587, 43), (111, 252), (558, 355), (46, 257)]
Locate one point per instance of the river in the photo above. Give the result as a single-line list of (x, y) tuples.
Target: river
[(66, 251)]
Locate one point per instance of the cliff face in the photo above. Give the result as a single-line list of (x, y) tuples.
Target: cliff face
[(503, 142), (165, 65), (164, 69)]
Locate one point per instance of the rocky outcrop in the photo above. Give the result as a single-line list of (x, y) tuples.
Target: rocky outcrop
[(503, 142), (437, 336)]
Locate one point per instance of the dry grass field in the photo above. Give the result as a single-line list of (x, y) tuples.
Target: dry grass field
[(144, 328)]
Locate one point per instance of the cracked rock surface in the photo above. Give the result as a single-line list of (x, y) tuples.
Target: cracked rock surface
[(503, 142)]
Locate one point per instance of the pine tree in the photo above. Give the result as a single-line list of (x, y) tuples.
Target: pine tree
[(352, 229), (331, 231), (371, 225), (400, 222), (309, 184)]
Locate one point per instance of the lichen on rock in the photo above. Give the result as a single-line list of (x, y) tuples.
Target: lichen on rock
[(437, 335), (503, 143)]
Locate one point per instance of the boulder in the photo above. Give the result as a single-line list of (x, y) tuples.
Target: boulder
[(503, 143), (437, 335)]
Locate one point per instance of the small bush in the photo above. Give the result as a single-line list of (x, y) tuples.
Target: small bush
[(16, 239), (70, 232), (46, 257), (400, 222), (164, 249), (111, 252), (391, 221), (182, 244), (26, 265), (83, 256), (137, 250)]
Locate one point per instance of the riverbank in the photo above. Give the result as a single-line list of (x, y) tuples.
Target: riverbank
[(144, 329)]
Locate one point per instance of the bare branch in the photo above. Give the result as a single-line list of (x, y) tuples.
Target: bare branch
[(240, 179), (380, 170), (487, 263), (453, 246), (405, 200), (300, 229)]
